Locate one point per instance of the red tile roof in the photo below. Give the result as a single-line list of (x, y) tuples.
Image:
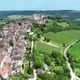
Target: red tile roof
[(4, 53), (6, 69), (1, 57), (17, 58)]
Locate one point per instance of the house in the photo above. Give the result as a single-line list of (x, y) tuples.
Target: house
[(39, 71), (1, 58), (4, 72), (38, 18), (11, 58)]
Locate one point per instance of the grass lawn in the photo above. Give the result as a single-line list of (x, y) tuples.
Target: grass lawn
[(44, 47), (75, 50), (63, 24), (63, 37)]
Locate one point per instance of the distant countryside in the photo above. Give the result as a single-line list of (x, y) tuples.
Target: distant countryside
[(40, 45)]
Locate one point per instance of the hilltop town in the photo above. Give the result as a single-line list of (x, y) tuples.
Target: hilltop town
[(13, 45), (39, 47)]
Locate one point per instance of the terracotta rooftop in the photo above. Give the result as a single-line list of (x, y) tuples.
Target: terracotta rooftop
[(5, 69), (1, 57)]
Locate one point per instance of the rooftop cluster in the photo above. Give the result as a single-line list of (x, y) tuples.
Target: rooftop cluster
[(12, 47)]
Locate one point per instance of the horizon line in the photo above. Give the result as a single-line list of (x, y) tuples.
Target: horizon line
[(45, 10)]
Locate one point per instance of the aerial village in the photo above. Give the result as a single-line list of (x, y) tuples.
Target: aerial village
[(12, 45)]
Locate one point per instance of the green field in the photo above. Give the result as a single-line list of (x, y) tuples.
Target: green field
[(75, 50), (63, 24), (1, 25), (63, 37), (44, 47)]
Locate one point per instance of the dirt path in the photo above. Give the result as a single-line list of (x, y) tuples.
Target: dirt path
[(49, 43)]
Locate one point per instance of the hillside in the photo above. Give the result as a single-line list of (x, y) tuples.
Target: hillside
[(69, 14), (48, 42)]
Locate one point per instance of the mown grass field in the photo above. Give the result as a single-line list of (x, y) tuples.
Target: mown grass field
[(75, 50), (39, 46), (63, 24), (64, 36)]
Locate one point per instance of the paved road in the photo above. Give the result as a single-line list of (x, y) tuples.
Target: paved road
[(73, 75)]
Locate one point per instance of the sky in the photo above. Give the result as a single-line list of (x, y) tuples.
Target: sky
[(39, 5)]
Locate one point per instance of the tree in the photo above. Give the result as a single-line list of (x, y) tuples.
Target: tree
[(47, 60), (54, 54), (28, 56), (30, 70), (38, 62), (77, 72), (11, 43), (47, 40), (64, 45), (44, 38), (26, 36), (46, 76), (38, 35)]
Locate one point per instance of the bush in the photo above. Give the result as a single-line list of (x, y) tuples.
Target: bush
[(47, 60), (30, 70), (46, 76), (38, 62)]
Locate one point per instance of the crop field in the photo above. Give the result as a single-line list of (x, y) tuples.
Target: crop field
[(75, 50), (44, 47), (63, 37)]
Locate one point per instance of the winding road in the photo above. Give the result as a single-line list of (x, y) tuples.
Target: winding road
[(73, 75)]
